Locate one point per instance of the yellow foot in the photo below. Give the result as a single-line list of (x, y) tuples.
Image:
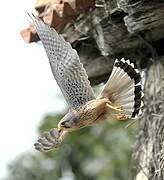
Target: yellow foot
[(121, 117), (115, 108)]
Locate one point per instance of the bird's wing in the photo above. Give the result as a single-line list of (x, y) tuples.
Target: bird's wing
[(65, 64), (50, 140)]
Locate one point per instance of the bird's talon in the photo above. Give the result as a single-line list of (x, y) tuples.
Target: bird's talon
[(115, 108), (121, 117)]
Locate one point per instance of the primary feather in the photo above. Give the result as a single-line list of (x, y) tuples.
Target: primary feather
[(65, 64)]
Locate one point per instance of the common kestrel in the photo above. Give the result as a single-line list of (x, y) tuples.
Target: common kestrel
[(120, 99)]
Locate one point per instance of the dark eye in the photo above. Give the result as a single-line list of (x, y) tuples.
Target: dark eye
[(62, 123), (65, 124)]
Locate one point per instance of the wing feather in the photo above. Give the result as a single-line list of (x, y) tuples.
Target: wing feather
[(65, 64)]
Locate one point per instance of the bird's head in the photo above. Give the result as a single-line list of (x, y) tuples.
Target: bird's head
[(70, 122)]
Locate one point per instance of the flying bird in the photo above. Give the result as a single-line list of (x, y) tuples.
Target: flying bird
[(120, 99)]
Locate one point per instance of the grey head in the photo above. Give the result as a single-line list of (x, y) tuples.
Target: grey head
[(70, 122)]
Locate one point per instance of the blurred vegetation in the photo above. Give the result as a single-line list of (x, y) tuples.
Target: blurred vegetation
[(95, 153), (101, 152)]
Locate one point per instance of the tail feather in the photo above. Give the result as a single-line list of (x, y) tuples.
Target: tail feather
[(119, 84), (126, 100), (124, 88), (127, 92)]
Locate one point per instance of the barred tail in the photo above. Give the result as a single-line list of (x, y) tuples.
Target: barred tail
[(124, 88)]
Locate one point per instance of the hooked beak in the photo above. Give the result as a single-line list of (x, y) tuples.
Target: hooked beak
[(69, 122), (63, 126)]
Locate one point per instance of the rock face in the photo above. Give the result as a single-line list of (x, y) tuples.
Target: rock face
[(56, 13), (111, 29), (149, 150)]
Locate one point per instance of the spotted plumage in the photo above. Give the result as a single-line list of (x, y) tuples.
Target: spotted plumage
[(120, 99)]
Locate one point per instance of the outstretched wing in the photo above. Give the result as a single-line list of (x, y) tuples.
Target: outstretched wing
[(50, 140), (66, 67)]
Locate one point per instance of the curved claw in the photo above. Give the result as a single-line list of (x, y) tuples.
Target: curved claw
[(121, 117), (115, 108)]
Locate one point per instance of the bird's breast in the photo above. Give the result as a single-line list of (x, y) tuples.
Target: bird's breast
[(94, 110)]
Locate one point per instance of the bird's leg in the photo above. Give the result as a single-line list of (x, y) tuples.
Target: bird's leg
[(121, 117), (117, 112), (115, 108)]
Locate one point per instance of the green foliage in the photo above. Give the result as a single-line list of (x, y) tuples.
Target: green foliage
[(95, 153), (32, 167), (100, 152)]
